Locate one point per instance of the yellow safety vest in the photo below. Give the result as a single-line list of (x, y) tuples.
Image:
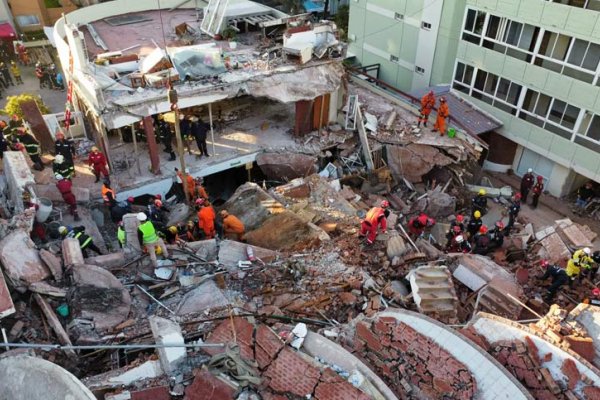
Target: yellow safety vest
[(572, 269), (148, 232), (121, 236)]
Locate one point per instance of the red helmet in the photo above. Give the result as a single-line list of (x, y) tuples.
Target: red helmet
[(158, 203), (518, 196), (596, 291), (540, 178), (199, 202), (130, 199), (430, 222), (483, 229), (456, 229), (385, 204), (499, 224), (158, 197), (545, 263), (460, 218)]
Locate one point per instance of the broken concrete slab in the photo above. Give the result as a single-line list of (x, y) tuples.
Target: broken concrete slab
[(252, 205), (124, 376), (554, 249), (396, 247), (47, 289), (206, 249), (574, 236), (204, 297), (287, 166), (178, 213), (82, 194), (99, 296), (505, 191), (281, 231), (323, 195), (542, 233), (436, 204), (168, 332), (433, 290), (18, 177), (7, 306), (414, 161), (53, 262), (71, 252), (21, 260), (231, 252), (107, 261), (296, 189), (130, 225), (63, 337), (24, 378)]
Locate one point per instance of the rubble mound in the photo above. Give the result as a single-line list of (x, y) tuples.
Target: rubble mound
[(282, 231)]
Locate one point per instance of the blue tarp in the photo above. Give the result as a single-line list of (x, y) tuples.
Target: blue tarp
[(311, 6)]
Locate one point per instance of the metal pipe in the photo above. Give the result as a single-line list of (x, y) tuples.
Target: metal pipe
[(108, 346), (212, 132)]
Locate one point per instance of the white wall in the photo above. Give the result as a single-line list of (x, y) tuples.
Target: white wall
[(427, 42)]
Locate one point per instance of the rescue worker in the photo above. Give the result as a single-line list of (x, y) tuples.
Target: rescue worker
[(474, 224), (85, 241), (118, 211), (41, 75), (459, 221), (481, 241), (191, 183), (6, 74), (583, 259), (526, 184), (166, 137), (108, 194), (459, 245), (172, 235), (376, 217), (479, 202), (97, 161), (537, 190), (451, 236), (200, 192), (121, 234), (198, 131), (513, 211), (594, 298), (61, 167), (16, 71), (184, 131), (156, 213), (497, 235), (38, 230), (206, 218), (65, 187), (427, 104), (149, 239), (417, 224), (65, 148), (559, 278), (584, 195), (442, 113), (32, 147), (233, 228), (190, 232)]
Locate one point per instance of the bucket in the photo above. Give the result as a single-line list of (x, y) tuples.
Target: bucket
[(52, 230), (451, 132), (44, 210)]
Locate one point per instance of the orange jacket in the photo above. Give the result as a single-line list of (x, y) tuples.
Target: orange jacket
[(191, 183), (427, 102), (201, 192), (206, 220), (232, 224), (376, 216), (443, 110)]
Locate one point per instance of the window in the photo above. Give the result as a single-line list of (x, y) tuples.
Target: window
[(589, 4), (473, 26), (590, 126), (425, 25), (420, 70), (463, 77), (27, 20)]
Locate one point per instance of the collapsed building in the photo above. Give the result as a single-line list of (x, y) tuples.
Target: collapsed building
[(302, 149)]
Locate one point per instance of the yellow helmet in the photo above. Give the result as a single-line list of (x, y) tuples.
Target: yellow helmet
[(477, 214), (94, 148), (173, 229), (482, 192)]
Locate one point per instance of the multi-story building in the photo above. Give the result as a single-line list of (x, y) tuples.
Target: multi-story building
[(413, 42), (535, 65), (33, 15)]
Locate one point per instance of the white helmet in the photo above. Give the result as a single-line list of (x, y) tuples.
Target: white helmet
[(142, 217), (530, 170), (59, 177), (59, 159), (459, 239), (62, 230), (187, 171), (587, 250)]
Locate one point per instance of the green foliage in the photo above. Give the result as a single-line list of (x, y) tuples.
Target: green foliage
[(52, 4), (341, 20), (229, 33), (13, 104)]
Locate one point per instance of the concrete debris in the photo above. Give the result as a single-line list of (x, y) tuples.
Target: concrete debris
[(7, 306), (53, 321), (286, 166), (433, 291), (168, 332), (47, 289), (54, 264), (125, 376), (71, 252), (205, 297), (435, 204), (21, 260), (107, 261)]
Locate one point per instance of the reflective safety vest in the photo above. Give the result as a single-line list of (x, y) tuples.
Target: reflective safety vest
[(572, 269), (84, 240), (373, 215), (121, 236), (105, 192), (148, 232)]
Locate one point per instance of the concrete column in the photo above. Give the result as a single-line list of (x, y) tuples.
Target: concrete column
[(152, 147)]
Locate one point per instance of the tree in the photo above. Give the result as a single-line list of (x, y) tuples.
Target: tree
[(341, 20), (13, 104)]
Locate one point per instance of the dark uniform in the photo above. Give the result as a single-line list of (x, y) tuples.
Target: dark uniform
[(64, 169), (32, 146), (474, 225), (166, 137), (66, 148), (199, 130), (479, 203), (85, 241), (513, 213), (481, 242), (559, 278)]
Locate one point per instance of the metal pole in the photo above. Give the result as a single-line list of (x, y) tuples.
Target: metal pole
[(135, 149), (108, 346), (212, 132), (180, 150), (155, 299)]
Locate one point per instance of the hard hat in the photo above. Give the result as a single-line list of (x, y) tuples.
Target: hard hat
[(456, 229), (120, 223), (158, 203), (430, 221), (60, 135), (141, 216), (181, 117), (161, 117), (158, 196), (94, 148), (518, 196), (200, 180), (431, 92), (199, 202), (529, 170), (477, 214), (130, 199), (482, 192), (385, 204), (459, 239), (499, 224), (173, 229), (59, 177), (223, 213), (59, 159), (190, 223), (460, 218), (544, 263), (587, 250), (187, 170), (596, 291), (540, 178), (13, 63), (443, 99), (62, 230), (483, 229)]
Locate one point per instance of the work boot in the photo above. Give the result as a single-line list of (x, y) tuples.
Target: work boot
[(76, 217), (425, 124), (419, 124), (172, 158)]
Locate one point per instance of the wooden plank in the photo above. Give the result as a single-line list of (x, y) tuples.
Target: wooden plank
[(52, 319)]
